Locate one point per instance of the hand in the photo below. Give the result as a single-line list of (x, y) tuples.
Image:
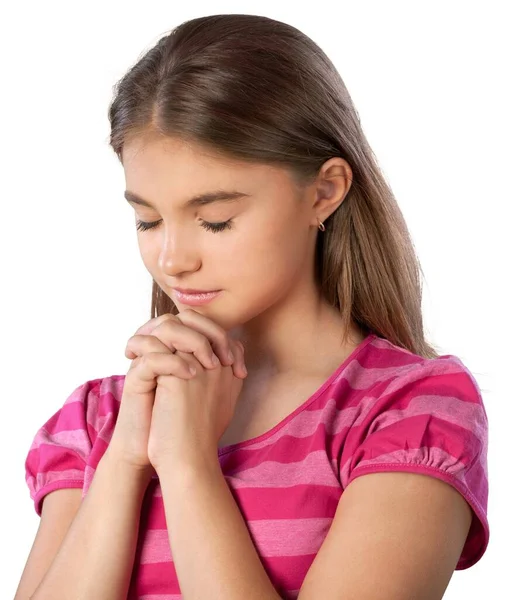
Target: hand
[(190, 416), (151, 348)]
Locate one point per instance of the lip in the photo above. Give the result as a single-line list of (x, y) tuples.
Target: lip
[(196, 299), (190, 291)]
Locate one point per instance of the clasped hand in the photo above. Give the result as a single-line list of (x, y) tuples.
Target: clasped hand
[(168, 414)]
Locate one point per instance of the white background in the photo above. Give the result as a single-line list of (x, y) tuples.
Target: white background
[(429, 81)]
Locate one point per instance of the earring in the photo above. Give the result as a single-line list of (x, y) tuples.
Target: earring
[(321, 226)]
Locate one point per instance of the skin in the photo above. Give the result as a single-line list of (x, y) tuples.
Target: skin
[(264, 264)]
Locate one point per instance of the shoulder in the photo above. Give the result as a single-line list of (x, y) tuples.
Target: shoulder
[(88, 407), (398, 391), (392, 376), (386, 383), (442, 386), (422, 416), (89, 404), (73, 438), (411, 451)]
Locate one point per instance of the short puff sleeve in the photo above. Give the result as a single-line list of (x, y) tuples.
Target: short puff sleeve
[(431, 420), (60, 449)]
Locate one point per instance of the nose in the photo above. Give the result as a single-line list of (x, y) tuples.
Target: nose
[(178, 251)]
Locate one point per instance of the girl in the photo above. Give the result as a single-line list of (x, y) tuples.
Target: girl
[(349, 460)]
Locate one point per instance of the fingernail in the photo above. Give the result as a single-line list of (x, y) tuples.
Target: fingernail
[(215, 360), (231, 358), (192, 370), (243, 369)]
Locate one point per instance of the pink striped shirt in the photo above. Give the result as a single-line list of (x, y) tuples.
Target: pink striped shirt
[(383, 409)]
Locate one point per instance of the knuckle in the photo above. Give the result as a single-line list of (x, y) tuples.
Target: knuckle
[(147, 325), (171, 318), (167, 320), (143, 360), (183, 363), (135, 363), (178, 364), (204, 343)]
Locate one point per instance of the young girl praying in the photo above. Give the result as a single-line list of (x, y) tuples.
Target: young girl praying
[(284, 429)]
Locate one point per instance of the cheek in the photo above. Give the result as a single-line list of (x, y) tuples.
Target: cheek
[(266, 256), (148, 250)]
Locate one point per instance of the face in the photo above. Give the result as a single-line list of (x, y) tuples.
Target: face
[(257, 259)]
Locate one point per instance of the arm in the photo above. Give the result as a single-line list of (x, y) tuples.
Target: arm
[(212, 550), (96, 557), (395, 536)]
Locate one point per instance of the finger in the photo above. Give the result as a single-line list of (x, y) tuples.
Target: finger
[(239, 366), (207, 326), (137, 345), (190, 359), (184, 338), (146, 328), (219, 340), (149, 366)]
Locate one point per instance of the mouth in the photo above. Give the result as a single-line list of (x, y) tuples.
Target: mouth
[(196, 299), (190, 292)]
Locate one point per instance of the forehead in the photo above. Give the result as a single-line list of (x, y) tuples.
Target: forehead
[(155, 164), (175, 157)]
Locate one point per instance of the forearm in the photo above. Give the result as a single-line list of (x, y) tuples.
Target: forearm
[(212, 550), (96, 557)]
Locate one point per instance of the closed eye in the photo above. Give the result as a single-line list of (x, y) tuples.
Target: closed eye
[(214, 227)]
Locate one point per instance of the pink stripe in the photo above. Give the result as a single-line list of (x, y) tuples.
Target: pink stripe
[(51, 461), (308, 501), (313, 468), (295, 537), (154, 578), (460, 412), (48, 477), (69, 417), (72, 441), (286, 573), (416, 432), (155, 597), (156, 547), (290, 595)]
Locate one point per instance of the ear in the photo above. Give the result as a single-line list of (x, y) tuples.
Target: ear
[(332, 185)]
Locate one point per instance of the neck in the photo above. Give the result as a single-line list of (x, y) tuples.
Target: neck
[(304, 338)]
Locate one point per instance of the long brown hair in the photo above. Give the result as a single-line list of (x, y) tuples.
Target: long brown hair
[(260, 90)]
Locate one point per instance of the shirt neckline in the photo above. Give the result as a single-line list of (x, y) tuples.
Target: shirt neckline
[(238, 445)]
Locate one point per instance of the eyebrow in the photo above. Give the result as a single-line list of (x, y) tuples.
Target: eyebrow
[(199, 200)]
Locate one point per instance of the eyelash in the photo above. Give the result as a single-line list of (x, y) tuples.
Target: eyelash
[(214, 227)]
